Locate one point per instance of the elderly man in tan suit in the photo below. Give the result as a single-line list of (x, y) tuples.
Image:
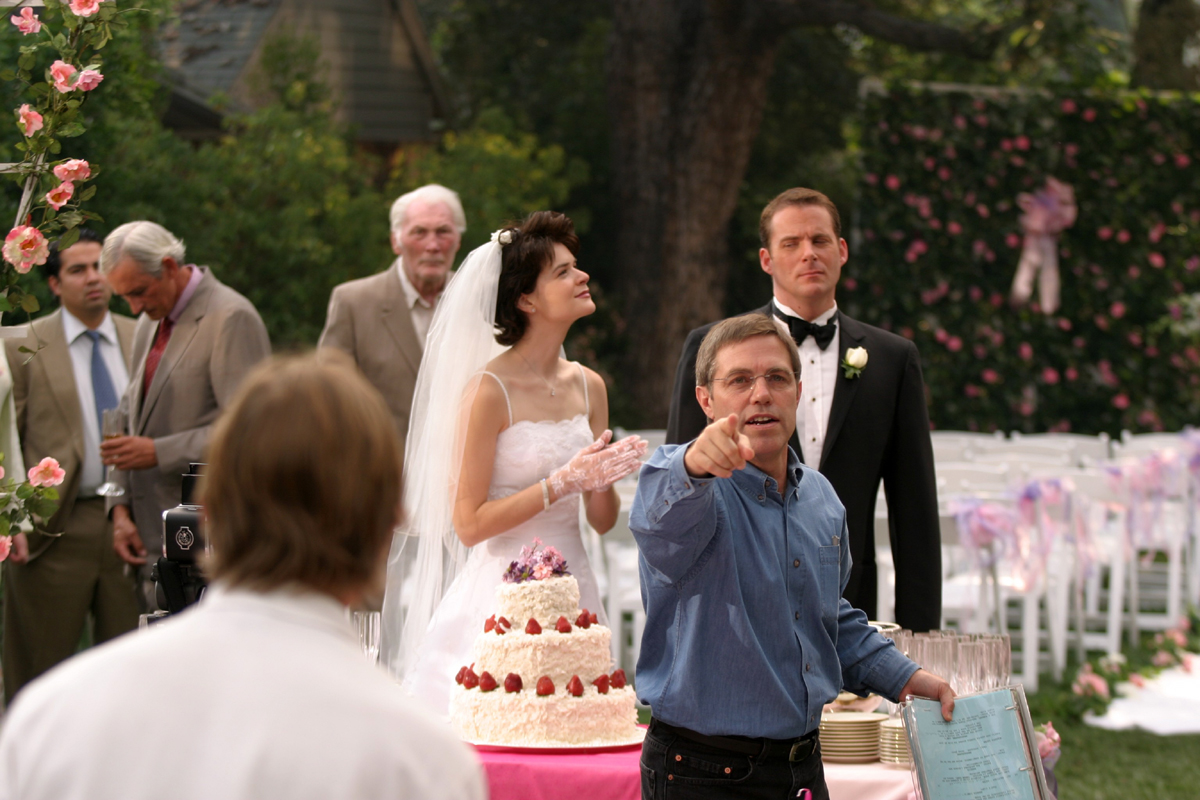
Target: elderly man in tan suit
[(381, 321), (51, 583), (196, 339)]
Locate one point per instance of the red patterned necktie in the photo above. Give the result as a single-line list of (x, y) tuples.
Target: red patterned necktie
[(156, 352)]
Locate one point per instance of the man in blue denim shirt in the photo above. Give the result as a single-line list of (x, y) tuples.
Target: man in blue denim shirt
[(744, 556)]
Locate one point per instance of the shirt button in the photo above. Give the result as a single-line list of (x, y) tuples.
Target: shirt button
[(808, 667), (796, 563), (814, 438), (760, 497), (797, 615), (679, 758)]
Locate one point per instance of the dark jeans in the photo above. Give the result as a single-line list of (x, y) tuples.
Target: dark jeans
[(676, 768)]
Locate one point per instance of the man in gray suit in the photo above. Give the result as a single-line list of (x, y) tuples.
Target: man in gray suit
[(381, 321), (51, 583), (195, 341)]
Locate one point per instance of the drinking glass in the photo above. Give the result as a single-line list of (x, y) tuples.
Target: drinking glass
[(972, 667), (367, 624), (112, 425)]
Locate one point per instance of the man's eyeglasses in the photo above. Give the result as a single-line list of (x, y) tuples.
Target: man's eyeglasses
[(777, 380)]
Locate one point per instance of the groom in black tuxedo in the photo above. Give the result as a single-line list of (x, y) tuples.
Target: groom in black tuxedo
[(858, 426)]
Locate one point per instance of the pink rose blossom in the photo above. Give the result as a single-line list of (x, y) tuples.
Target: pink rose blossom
[(89, 79), (990, 375), (1157, 232), (1121, 401), (941, 336), (971, 390), (954, 344), (1068, 106), (975, 293), (1012, 240), (1162, 659), (953, 228), (892, 182), (1025, 408), (849, 284), (26, 23), (1192, 264), (5, 542), (1, 473), (1006, 145), (1182, 160), (1134, 272), (24, 247), (1022, 142), (871, 178), (63, 75), (1071, 373), (960, 122), (930, 163), (1136, 679), (1105, 233), (1048, 741), (47, 473), (1122, 236), (983, 211), (1026, 351), (85, 8), (543, 571), (1158, 158), (28, 120), (944, 173), (1050, 375), (1156, 260), (74, 170), (1064, 324), (60, 195), (1089, 115), (1117, 310)]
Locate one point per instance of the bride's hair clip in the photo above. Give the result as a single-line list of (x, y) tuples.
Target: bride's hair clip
[(503, 236)]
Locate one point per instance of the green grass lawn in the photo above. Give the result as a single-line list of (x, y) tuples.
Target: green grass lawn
[(1126, 765)]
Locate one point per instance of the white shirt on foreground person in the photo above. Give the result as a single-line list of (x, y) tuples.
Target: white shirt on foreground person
[(247, 695)]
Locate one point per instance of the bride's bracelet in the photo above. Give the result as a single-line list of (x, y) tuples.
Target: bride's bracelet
[(545, 494)]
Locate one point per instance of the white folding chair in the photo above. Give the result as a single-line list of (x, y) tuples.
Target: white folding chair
[(1080, 446)]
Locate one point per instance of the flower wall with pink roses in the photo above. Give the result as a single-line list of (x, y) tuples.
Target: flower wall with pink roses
[(939, 242), (58, 64)]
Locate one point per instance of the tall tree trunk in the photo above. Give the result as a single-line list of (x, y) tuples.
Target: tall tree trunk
[(1166, 45), (687, 85)]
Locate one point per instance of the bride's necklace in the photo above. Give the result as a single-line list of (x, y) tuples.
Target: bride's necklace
[(552, 387)]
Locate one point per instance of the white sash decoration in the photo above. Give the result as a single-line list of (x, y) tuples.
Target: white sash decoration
[(1048, 213)]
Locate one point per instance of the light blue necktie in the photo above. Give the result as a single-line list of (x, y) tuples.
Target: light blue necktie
[(102, 385)]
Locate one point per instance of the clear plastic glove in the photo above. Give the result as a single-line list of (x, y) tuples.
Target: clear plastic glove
[(598, 466)]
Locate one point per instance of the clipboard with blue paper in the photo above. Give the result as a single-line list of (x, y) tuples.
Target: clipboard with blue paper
[(988, 751)]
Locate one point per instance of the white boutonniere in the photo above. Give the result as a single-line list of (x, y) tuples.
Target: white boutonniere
[(854, 362)]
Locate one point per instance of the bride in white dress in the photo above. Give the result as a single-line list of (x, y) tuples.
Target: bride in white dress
[(500, 452)]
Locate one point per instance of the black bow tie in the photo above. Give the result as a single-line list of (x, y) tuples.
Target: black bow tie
[(822, 334)]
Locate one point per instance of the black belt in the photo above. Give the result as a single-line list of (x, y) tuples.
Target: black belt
[(791, 749)]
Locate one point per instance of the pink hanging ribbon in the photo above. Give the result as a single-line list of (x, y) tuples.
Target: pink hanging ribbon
[(1048, 212)]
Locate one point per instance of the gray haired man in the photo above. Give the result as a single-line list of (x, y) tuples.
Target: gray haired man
[(381, 321), (195, 340)]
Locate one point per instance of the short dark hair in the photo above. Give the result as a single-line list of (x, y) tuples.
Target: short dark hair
[(317, 509), (796, 197), (739, 329), (54, 260), (531, 249)]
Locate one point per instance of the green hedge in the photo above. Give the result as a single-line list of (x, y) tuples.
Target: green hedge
[(938, 244)]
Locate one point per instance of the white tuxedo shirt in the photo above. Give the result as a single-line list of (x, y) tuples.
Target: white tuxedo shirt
[(818, 376), (247, 695)]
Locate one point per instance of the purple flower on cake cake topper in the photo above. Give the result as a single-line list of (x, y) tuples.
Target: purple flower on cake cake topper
[(533, 565)]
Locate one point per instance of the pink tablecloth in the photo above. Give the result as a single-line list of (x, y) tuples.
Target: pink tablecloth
[(615, 776)]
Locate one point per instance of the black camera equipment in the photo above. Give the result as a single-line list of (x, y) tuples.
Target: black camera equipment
[(178, 580)]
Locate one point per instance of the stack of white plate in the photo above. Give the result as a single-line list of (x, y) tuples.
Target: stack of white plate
[(850, 737), (893, 743)]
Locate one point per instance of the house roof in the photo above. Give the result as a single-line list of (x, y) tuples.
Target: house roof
[(381, 68)]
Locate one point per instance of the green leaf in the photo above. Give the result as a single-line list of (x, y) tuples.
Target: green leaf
[(8, 75), (29, 303), (50, 493), (69, 238), (25, 491), (5, 306), (5, 526), (25, 61), (40, 89), (71, 218), (54, 147), (85, 195), (60, 42), (71, 130)]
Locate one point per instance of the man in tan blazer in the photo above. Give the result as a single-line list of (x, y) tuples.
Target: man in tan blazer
[(195, 341), (382, 321), (51, 583)]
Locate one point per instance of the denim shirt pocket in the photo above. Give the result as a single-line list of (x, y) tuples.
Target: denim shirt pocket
[(830, 579)]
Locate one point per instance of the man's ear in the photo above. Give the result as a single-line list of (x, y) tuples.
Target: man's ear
[(54, 285), (705, 401)]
